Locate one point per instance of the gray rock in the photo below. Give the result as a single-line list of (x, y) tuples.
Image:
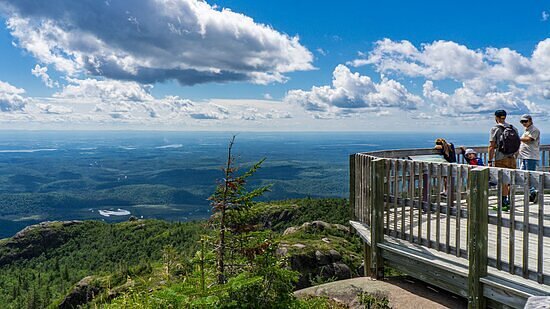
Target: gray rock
[(83, 292), (291, 230), (281, 251), (341, 227), (321, 225), (337, 270), (35, 240), (322, 259), (335, 256)]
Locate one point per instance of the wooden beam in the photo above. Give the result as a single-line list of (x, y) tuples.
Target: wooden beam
[(478, 182), (352, 185), (378, 173)]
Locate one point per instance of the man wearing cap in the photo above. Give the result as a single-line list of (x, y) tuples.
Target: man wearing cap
[(529, 149), (498, 158)]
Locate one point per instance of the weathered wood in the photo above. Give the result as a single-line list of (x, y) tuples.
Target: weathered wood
[(511, 290), (403, 191), (450, 184), (540, 240), (359, 193), (438, 209), (526, 193), (362, 230), (458, 208), (409, 190), (378, 173), (499, 220), (387, 189), (429, 201), (478, 179), (420, 198), (352, 185), (428, 271), (395, 194), (511, 241), (367, 258), (411, 197)]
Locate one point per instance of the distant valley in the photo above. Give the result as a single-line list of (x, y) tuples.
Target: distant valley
[(166, 175)]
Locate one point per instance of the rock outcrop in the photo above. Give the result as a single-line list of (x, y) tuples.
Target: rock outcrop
[(401, 292), (318, 266), (316, 225), (317, 261), (34, 240), (84, 291)]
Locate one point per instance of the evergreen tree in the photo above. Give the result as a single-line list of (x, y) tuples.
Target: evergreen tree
[(231, 196)]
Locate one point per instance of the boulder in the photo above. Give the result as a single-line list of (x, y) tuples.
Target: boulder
[(84, 291), (325, 265), (291, 230)]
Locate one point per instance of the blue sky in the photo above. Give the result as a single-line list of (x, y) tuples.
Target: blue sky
[(274, 65)]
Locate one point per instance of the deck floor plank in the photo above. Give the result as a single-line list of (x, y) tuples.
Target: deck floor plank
[(492, 231)]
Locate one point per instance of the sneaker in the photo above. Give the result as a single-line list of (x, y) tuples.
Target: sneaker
[(505, 206), (443, 193)]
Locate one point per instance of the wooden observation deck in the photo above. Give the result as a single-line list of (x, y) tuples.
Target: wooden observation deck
[(461, 241)]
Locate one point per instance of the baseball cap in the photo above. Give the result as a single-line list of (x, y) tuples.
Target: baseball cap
[(500, 113), (470, 151), (525, 118)]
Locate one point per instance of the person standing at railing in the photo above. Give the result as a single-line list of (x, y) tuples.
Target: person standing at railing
[(504, 145), (447, 150), (529, 150)]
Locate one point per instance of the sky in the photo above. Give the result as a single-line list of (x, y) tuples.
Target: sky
[(272, 65)]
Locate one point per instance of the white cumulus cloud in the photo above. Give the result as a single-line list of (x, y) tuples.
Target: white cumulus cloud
[(153, 40), (352, 92), (12, 99), (42, 73), (490, 78)]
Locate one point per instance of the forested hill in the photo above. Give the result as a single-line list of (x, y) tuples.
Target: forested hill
[(151, 260)]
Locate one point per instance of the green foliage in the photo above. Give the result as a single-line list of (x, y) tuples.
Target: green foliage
[(375, 300), (90, 248), (157, 264), (298, 211), (231, 196)]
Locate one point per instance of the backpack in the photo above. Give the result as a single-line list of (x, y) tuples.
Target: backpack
[(508, 141)]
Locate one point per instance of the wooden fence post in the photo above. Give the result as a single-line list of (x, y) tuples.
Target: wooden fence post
[(352, 185), (378, 172), (478, 221)]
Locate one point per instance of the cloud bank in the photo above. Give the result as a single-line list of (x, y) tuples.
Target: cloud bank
[(490, 79), (150, 41)]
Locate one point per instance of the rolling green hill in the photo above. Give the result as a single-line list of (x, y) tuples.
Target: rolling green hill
[(126, 262)]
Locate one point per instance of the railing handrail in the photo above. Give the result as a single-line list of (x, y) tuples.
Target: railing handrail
[(410, 195), (401, 153)]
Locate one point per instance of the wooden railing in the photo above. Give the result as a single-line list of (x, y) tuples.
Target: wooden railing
[(449, 208)]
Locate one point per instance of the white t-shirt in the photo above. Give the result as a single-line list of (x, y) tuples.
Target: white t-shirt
[(530, 150)]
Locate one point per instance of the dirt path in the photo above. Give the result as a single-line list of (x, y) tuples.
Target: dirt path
[(403, 292)]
